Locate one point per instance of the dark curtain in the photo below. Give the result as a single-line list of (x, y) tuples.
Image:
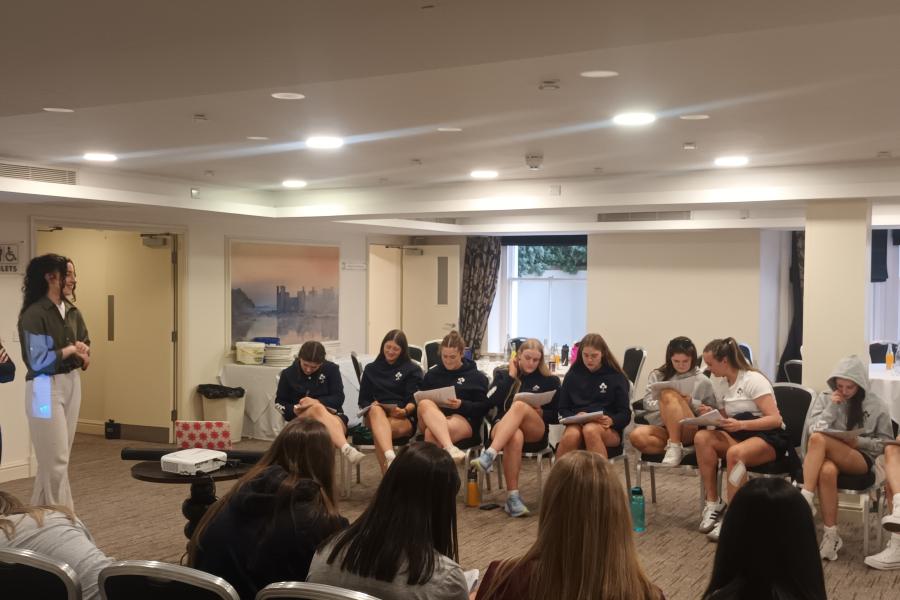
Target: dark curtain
[(879, 255), (795, 333), (479, 285)]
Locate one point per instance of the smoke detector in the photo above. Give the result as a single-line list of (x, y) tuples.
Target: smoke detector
[(549, 85)]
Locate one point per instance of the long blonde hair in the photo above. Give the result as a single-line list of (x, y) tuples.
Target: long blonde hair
[(584, 547), (10, 505), (533, 344)]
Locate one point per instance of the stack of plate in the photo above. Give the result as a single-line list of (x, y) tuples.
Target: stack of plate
[(279, 356)]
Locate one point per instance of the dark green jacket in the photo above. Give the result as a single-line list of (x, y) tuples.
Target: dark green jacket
[(43, 334)]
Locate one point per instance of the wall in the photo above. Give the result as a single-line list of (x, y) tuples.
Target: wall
[(646, 288), (203, 321)]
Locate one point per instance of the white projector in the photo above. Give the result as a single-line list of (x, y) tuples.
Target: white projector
[(193, 461)]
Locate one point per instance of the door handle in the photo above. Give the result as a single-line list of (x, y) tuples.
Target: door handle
[(111, 318)]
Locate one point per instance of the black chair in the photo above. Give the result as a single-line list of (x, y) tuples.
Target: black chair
[(516, 342), (793, 402), (746, 351), (432, 354), (416, 353), (151, 580), (27, 574), (633, 364), (793, 370), (309, 591), (877, 352), (356, 366)]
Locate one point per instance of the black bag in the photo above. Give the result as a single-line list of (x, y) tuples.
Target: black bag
[(214, 391)]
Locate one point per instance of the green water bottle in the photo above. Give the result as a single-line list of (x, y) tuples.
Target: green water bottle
[(637, 509)]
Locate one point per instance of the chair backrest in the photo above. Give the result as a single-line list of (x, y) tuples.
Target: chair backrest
[(633, 362), (309, 591), (416, 353), (150, 580), (877, 352), (516, 342), (747, 351), (432, 353), (27, 574), (793, 370), (793, 402), (356, 366)]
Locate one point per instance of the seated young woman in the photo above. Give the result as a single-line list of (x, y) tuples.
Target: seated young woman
[(461, 418), (267, 527), (767, 550), (387, 386), (584, 549), (667, 407), (518, 422), (404, 545), (53, 531), (889, 558), (848, 405), (595, 382), (750, 434), (312, 387)]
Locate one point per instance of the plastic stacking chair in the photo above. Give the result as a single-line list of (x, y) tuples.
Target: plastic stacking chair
[(152, 580), (432, 354), (27, 574), (309, 591), (793, 370)]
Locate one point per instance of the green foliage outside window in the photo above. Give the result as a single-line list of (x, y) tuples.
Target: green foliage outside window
[(534, 260)]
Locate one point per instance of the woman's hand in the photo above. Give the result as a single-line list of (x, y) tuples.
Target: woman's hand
[(305, 403), (398, 413), (731, 425), (836, 397), (454, 403), (85, 361), (604, 421), (704, 408), (513, 368), (82, 348)]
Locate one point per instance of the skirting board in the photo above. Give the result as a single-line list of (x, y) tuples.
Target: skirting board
[(90, 427), (15, 470), (140, 433)]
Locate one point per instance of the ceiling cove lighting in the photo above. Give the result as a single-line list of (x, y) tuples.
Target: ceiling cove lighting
[(293, 183), (449, 129), (100, 157), (324, 142), (257, 138), (54, 109), (599, 74), (288, 96), (634, 119), (483, 174), (731, 161), (694, 117)]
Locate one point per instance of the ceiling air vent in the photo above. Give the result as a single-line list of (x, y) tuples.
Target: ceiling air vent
[(669, 215), (35, 173)]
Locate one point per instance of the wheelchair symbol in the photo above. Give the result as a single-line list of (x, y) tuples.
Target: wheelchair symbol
[(10, 254)]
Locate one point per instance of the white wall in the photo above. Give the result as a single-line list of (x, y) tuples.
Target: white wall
[(204, 342), (646, 288)]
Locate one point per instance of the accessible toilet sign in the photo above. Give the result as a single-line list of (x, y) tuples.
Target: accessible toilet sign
[(10, 261)]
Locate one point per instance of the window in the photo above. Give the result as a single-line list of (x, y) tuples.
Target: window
[(541, 293), (884, 307)]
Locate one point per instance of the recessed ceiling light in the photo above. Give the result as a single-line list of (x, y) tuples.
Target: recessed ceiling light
[(288, 96), (324, 141), (634, 119), (257, 138), (100, 157), (449, 129), (689, 146), (293, 183), (483, 174), (694, 117), (599, 74), (731, 161), (58, 110)]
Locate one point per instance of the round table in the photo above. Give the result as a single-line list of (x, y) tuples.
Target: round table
[(886, 385), (203, 487)]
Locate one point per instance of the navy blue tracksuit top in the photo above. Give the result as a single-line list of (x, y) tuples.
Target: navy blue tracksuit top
[(325, 385), (605, 389)]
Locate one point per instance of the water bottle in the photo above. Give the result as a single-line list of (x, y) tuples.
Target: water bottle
[(637, 509), (473, 492), (889, 358)]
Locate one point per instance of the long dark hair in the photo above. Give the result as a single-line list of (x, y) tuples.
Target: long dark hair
[(679, 345), (855, 416), (35, 285), (313, 352), (596, 341), (727, 348), (398, 337), (748, 565), (411, 518), (304, 451)]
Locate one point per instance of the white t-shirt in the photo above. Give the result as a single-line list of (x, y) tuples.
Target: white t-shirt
[(62, 310), (739, 398)]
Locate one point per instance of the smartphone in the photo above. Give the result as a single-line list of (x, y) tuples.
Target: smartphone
[(489, 506)]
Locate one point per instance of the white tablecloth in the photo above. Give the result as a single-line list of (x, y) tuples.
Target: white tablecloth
[(886, 385), (262, 417)]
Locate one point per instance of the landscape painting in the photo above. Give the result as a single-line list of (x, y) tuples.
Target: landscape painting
[(289, 291)]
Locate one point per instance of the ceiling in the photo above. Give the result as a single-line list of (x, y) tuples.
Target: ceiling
[(801, 83)]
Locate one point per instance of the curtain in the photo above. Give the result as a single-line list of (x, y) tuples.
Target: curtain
[(795, 332), (879, 255), (479, 285)]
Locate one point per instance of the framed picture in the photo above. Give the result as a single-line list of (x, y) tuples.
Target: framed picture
[(283, 290)]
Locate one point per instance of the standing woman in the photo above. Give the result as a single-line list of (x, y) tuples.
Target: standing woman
[(312, 387), (446, 425), (55, 346), (595, 382), (751, 433), (391, 379), (519, 422), (666, 408), (849, 406)]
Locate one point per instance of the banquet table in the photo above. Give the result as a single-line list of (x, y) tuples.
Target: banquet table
[(886, 385), (262, 417)]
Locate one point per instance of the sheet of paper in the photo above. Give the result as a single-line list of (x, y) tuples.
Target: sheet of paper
[(685, 387), (387, 408), (440, 396), (539, 399), (844, 435), (583, 418), (471, 578), (712, 418)]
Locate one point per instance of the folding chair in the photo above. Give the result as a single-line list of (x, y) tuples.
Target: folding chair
[(151, 580), (27, 574), (432, 354), (309, 591), (793, 370)]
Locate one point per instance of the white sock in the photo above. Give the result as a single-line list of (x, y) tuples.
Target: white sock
[(512, 493), (830, 530), (713, 502), (346, 448), (491, 452), (390, 455), (808, 495), (676, 444), (896, 503)]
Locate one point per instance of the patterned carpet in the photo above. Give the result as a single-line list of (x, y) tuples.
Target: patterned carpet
[(131, 519)]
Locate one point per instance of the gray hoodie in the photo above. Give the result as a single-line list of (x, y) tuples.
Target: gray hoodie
[(702, 394), (825, 413)]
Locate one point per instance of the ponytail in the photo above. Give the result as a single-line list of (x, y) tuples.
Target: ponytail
[(729, 349)]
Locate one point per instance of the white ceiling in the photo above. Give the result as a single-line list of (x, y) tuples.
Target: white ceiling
[(806, 84)]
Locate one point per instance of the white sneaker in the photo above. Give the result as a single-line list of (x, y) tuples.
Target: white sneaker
[(456, 454), (353, 455), (712, 514), (674, 454), (831, 543), (887, 559), (891, 522), (713, 535)]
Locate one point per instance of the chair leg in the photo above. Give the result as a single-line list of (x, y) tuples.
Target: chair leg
[(865, 523), (652, 484), (638, 472), (627, 472), (358, 476), (540, 475), (702, 493), (499, 468), (345, 478)]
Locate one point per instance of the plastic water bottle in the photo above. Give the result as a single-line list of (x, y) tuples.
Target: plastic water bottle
[(889, 358), (637, 509)]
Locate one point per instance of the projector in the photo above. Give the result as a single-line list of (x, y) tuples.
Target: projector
[(193, 461)]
